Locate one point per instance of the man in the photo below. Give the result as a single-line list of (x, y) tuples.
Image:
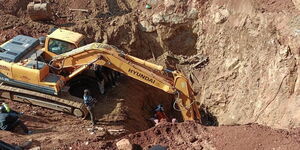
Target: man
[(100, 77), (108, 74), (9, 120), (89, 101), (160, 115)]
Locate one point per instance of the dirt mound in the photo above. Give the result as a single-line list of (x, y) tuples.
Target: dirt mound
[(190, 135), (177, 136)]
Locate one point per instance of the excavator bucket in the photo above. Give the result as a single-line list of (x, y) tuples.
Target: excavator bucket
[(39, 10), (186, 99)]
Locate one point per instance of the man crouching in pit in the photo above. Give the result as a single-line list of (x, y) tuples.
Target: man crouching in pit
[(89, 102)]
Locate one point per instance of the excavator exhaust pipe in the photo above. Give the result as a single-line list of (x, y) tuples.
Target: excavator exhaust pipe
[(39, 10)]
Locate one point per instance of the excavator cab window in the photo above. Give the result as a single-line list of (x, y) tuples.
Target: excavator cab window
[(60, 47)]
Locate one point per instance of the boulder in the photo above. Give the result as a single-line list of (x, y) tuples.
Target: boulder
[(221, 16), (124, 144), (296, 3)]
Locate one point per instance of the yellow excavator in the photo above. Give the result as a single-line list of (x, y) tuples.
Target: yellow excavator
[(44, 72)]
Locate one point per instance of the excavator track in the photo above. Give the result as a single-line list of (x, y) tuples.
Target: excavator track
[(63, 102)]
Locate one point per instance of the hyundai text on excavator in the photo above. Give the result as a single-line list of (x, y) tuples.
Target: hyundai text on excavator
[(45, 74)]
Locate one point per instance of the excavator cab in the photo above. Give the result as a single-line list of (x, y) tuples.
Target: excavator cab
[(60, 41)]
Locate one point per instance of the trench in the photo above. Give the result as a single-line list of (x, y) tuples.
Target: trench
[(131, 104)]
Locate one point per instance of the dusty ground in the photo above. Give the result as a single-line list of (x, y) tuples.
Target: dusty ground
[(117, 114), (52, 130), (242, 57)]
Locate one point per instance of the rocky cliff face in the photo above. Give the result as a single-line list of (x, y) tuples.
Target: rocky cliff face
[(245, 54)]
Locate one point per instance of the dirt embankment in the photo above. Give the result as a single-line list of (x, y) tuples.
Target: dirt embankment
[(189, 135), (246, 69), (192, 136)]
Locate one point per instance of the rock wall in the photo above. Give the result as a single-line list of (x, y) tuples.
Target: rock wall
[(252, 73), (253, 70)]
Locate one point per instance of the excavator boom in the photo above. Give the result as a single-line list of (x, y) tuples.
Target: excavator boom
[(106, 55)]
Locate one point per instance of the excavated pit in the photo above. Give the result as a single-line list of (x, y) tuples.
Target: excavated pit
[(242, 58)]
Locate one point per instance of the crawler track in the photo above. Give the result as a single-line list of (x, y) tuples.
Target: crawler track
[(63, 102)]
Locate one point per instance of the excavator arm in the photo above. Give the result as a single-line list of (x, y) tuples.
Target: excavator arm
[(84, 57)]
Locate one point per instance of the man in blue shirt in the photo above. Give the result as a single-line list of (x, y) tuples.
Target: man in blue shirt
[(89, 101)]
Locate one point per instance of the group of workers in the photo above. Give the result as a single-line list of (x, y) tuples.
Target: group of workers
[(10, 119), (102, 74)]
